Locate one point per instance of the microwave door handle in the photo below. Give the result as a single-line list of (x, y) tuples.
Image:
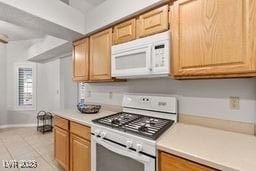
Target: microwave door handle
[(114, 148), (149, 62)]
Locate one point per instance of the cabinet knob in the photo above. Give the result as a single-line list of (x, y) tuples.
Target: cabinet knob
[(129, 144), (139, 148)]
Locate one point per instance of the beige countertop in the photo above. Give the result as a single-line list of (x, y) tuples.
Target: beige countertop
[(219, 149), (84, 119)]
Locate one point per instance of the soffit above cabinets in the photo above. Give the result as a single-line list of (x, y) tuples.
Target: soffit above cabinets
[(16, 33), (67, 22), (52, 17)]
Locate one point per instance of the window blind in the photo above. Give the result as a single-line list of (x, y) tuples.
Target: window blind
[(25, 87)]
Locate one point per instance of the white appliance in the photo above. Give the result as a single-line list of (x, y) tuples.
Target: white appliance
[(145, 57), (119, 149)]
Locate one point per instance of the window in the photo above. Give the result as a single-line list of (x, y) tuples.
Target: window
[(26, 87)]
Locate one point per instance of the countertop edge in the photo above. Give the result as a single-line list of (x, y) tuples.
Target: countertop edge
[(85, 123)]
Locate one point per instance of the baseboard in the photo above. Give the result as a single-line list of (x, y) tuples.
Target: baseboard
[(17, 126)]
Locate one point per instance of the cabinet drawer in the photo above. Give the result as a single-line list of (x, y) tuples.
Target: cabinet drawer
[(80, 130), (61, 122), (153, 22), (170, 162)]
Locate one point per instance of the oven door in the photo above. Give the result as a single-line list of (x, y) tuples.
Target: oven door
[(109, 156), (132, 61)]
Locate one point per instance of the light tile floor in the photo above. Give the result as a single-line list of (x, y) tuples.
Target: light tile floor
[(27, 144)]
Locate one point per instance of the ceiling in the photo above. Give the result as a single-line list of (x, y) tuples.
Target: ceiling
[(15, 32), (84, 5)]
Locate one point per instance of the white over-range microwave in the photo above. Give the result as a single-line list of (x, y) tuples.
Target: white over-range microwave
[(145, 57)]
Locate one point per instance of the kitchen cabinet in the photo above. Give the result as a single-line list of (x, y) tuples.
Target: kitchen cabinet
[(72, 145), (125, 31), (214, 38), (100, 55), (168, 162), (61, 147), (152, 22), (79, 154), (81, 60)]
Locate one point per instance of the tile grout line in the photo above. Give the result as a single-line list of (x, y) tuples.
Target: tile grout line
[(12, 157), (50, 163), (40, 155)]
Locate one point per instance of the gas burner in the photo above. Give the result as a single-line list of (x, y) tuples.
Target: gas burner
[(151, 122), (143, 128), (115, 121)]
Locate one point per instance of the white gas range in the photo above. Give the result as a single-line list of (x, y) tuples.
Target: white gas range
[(126, 141)]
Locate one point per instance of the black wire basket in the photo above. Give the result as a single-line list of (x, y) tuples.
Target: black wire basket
[(44, 121)]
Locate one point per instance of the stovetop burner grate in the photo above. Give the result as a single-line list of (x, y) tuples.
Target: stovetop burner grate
[(117, 119), (145, 126)]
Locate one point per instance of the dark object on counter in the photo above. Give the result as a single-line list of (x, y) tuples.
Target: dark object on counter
[(88, 109), (44, 122)]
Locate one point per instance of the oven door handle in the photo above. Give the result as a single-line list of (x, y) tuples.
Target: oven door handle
[(126, 152)]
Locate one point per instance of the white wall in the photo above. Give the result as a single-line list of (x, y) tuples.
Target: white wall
[(2, 84), (68, 88), (47, 84), (207, 98)]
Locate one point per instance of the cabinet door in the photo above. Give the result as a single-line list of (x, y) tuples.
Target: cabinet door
[(61, 147), (81, 60), (153, 22), (100, 55), (125, 32), (169, 162), (214, 38), (80, 157)]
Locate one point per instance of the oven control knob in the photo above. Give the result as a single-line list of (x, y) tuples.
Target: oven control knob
[(139, 148), (103, 134), (97, 132), (129, 144)]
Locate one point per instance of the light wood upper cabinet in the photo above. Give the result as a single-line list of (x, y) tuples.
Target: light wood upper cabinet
[(61, 147), (214, 38), (170, 162), (125, 31), (80, 154), (81, 60), (152, 22), (100, 55)]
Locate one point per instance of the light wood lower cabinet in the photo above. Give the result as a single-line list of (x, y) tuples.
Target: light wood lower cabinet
[(61, 147), (213, 38), (72, 146), (168, 162), (80, 154)]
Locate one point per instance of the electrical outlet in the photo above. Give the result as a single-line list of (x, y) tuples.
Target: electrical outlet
[(110, 96), (234, 103), (89, 93)]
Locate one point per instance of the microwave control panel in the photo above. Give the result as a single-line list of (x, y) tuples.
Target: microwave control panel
[(159, 56)]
